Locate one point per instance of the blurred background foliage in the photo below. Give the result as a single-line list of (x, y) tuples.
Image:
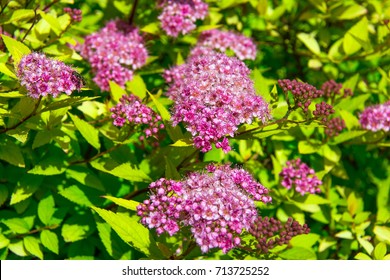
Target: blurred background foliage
[(63, 165)]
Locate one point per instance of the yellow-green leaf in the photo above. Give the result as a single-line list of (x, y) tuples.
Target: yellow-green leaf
[(16, 48), (89, 133), (32, 246), (310, 42), (128, 204)]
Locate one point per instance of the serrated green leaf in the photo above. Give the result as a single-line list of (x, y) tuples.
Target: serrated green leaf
[(128, 204), (16, 48), (261, 85), (346, 136), (298, 253), (66, 101), (3, 194), (76, 195), (124, 170), (11, 94), (50, 241), (310, 42), (380, 251), (90, 133), (17, 225), (137, 86), (49, 166), (18, 249), (32, 246), (46, 209), (76, 228), (351, 121), (131, 231), (25, 188)]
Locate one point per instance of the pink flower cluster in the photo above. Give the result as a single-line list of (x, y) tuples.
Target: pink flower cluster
[(179, 16), (114, 53), (297, 174), (42, 76), (376, 117), (132, 111), (217, 206), (334, 126), (270, 232), (242, 46), (213, 95), (75, 14), (303, 93)]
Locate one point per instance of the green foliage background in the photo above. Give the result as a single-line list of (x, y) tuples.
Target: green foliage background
[(70, 180)]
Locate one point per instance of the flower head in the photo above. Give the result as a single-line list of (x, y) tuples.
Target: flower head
[(299, 175), (213, 95), (132, 111), (179, 16), (217, 206), (376, 117), (114, 53), (43, 76), (242, 46)]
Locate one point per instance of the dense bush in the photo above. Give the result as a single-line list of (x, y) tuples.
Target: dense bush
[(194, 129)]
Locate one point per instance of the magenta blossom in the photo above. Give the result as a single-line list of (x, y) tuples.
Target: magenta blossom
[(376, 117)]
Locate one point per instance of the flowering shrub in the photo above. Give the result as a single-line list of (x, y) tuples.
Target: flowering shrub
[(189, 129)]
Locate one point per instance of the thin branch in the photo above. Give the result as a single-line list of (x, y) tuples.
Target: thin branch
[(5, 6), (132, 13)]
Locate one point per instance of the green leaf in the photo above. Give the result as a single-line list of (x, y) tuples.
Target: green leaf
[(76, 195), (52, 21), (174, 132), (25, 188), (128, 204), (261, 85), (352, 12), (7, 70), (32, 246), (332, 153), (382, 233), (298, 253), (66, 101), (76, 228), (46, 209), (380, 251), (354, 204), (310, 42), (170, 170), (3, 194), (18, 15), (306, 147), (351, 121), (346, 136), (85, 176), (152, 28), (11, 94), (362, 256), (50, 241), (49, 166), (18, 249), (353, 39), (124, 170), (137, 86), (90, 133), (4, 241), (116, 91), (16, 49), (17, 225), (304, 240), (366, 245), (345, 234), (131, 231), (11, 153), (183, 143)]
